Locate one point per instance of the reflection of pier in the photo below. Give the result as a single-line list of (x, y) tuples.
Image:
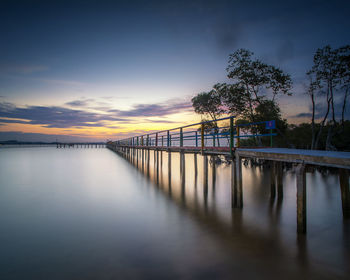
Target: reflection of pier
[(80, 145), (225, 141)]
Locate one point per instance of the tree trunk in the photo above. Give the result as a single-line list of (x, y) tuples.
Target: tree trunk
[(313, 122), (323, 121), (330, 134)]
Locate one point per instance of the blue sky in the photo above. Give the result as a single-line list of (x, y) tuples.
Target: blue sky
[(103, 59)]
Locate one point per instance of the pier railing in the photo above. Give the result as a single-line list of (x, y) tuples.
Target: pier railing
[(218, 134)]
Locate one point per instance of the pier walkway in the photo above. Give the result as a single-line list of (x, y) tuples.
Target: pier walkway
[(223, 138)]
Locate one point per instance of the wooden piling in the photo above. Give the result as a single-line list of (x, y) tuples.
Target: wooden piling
[(233, 184), (195, 165), (238, 192), (345, 192), (272, 179), (279, 171), (301, 198), (169, 172), (213, 171), (205, 179), (182, 176)]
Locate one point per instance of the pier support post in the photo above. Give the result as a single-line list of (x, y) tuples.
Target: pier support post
[(142, 159), (195, 165), (137, 158), (279, 170), (301, 198), (157, 167), (345, 192), (169, 172), (233, 183), (147, 164), (272, 180), (238, 191), (205, 179), (213, 171), (182, 176)]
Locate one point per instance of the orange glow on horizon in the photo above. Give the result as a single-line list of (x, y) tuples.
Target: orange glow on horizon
[(110, 130)]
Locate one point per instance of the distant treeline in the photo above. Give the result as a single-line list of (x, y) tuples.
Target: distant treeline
[(15, 142), (251, 97)]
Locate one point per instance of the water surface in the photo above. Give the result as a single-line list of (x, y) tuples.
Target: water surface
[(92, 214)]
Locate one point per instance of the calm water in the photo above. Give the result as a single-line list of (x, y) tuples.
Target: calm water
[(92, 214)]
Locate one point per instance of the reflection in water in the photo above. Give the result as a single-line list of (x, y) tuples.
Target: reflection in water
[(250, 230), (92, 214)]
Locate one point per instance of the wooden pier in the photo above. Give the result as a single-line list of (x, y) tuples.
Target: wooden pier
[(80, 145), (225, 141)]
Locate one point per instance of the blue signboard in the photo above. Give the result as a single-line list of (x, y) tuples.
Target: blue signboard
[(270, 125)]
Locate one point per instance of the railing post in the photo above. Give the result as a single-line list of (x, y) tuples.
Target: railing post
[(167, 138), (142, 140), (156, 139), (181, 138), (137, 141), (214, 138), (238, 139), (147, 140), (271, 142), (231, 137), (196, 139), (202, 136)]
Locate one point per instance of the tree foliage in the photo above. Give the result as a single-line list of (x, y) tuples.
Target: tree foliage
[(252, 97), (253, 83), (208, 103), (329, 83)]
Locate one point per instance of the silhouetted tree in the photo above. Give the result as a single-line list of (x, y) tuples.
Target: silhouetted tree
[(209, 104), (253, 83), (329, 80)]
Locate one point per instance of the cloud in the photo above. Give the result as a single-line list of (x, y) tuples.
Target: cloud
[(155, 110), (160, 121), (79, 103), (321, 109), (62, 117), (58, 117), (302, 115)]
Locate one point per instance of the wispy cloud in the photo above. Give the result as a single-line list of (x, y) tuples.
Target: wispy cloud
[(79, 102), (321, 109), (155, 110), (83, 117), (58, 117)]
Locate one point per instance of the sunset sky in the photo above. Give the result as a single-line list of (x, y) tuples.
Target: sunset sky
[(97, 70)]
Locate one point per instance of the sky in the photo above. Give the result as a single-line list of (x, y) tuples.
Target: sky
[(97, 70)]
